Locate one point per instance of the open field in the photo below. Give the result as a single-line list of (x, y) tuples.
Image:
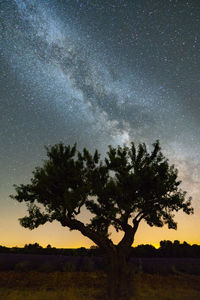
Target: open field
[(52, 277), (62, 263), (91, 285)]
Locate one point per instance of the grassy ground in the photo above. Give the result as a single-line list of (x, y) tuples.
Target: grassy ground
[(90, 286)]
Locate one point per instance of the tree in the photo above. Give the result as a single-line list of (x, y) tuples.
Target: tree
[(33, 248), (130, 185)]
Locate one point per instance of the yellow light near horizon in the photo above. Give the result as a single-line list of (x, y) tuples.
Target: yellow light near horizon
[(61, 237), (13, 234)]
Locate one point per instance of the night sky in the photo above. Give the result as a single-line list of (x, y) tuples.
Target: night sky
[(97, 73)]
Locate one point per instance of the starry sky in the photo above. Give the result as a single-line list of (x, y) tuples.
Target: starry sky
[(97, 73)]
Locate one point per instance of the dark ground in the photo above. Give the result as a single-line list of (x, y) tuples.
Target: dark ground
[(51, 263)]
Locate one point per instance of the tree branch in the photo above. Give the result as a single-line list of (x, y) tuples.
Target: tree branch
[(137, 220), (129, 231), (128, 238), (99, 240)]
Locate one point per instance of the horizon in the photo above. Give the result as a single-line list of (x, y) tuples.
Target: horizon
[(157, 246)]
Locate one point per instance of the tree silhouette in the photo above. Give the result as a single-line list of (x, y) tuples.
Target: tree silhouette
[(130, 185)]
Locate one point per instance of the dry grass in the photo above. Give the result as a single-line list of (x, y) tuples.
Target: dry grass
[(90, 286), (171, 287), (51, 286)]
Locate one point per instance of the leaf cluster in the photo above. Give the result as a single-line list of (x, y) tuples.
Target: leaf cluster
[(129, 185)]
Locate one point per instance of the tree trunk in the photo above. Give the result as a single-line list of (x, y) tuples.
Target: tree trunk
[(119, 285)]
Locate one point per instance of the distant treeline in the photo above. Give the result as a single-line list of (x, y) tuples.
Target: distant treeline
[(166, 249)]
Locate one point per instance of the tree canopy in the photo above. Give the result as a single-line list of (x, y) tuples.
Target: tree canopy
[(129, 185)]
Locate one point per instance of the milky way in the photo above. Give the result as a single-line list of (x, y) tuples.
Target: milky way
[(99, 73)]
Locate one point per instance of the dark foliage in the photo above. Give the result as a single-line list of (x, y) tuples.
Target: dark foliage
[(131, 184)]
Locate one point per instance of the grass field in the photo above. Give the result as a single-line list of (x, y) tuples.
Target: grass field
[(91, 285)]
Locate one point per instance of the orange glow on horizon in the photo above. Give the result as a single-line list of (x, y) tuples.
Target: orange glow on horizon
[(13, 234)]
